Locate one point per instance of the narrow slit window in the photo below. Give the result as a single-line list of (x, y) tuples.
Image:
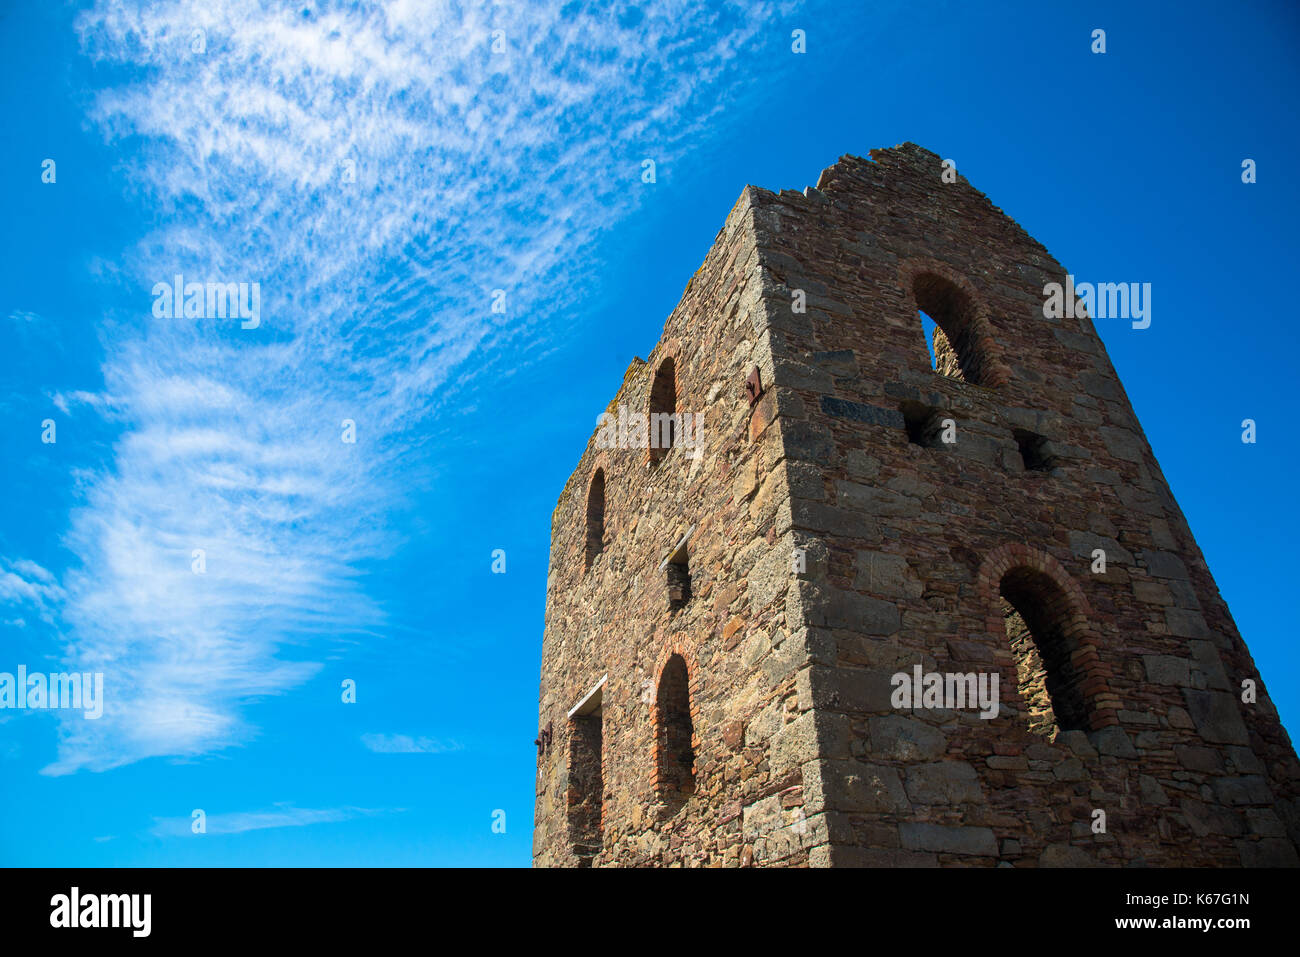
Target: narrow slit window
[(678, 571), (596, 517)]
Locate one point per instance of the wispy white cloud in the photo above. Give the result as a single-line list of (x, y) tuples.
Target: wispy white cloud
[(379, 170), (66, 402), (284, 815), (406, 744), (25, 584)]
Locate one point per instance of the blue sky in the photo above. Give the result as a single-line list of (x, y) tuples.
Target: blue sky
[(379, 171)]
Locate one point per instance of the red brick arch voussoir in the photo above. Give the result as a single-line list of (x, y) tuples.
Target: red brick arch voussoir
[(1103, 704), (680, 645)]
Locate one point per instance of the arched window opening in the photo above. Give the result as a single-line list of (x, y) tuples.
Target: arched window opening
[(947, 317), (674, 729), (1036, 613), (586, 795), (664, 422), (596, 517)]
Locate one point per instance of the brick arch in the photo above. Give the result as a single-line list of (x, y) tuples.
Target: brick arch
[(994, 372), (598, 464), (1102, 705), (578, 506), (670, 351), (654, 377), (685, 648), (599, 460)]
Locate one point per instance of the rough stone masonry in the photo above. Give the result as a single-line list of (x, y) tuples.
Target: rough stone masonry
[(723, 623)]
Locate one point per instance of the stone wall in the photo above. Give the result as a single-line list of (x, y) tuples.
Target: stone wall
[(614, 618), (835, 539), (912, 543)]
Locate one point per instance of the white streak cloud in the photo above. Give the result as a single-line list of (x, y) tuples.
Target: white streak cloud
[(238, 822), (379, 170), (406, 744)]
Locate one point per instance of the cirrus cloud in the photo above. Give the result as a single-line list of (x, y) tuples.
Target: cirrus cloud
[(379, 170)]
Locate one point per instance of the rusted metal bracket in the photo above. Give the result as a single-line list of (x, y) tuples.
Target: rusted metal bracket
[(754, 386), (544, 736)]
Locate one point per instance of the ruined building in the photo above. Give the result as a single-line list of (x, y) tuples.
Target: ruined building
[(725, 617)]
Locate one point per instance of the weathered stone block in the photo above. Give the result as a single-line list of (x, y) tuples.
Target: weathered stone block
[(1216, 716), (902, 738), (947, 839), (1065, 855), (1167, 670), (946, 782), (874, 788)]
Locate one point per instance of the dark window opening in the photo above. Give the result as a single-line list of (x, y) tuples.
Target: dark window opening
[(954, 349), (678, 569), (1035, 451), (676, 750), (596, 517), (663, 411), (924, 424), (1036, 614), (586, 796)]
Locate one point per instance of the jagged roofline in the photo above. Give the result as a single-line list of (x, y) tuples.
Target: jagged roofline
[(847, 164)]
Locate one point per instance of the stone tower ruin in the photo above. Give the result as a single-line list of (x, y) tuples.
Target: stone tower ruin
[(731, 619)]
